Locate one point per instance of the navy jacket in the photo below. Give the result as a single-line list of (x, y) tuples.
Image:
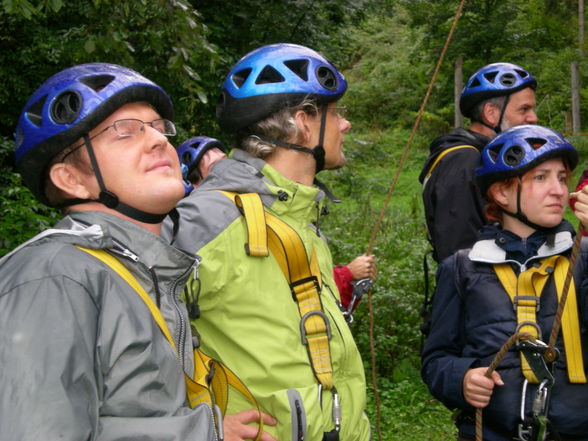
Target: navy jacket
[(473, 317)]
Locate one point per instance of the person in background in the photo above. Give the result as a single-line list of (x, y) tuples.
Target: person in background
[(511, 282), (82, 356), (582, 182), (278, 326), (498, 96)]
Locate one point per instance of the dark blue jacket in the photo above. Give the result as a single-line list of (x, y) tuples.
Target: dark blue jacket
[(473, 317)]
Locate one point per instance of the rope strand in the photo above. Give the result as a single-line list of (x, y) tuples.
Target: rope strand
[(385, 207)]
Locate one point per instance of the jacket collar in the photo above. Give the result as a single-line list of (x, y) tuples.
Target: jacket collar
[(494, 244)]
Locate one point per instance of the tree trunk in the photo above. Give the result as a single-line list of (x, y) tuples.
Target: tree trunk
[(458, 86)]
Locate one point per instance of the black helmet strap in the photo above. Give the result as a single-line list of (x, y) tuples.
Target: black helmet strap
[(318, 152), (497, 129), (111, 200), (520, 215)]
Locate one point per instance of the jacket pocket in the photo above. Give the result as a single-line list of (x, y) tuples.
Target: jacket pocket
[(297, 415)]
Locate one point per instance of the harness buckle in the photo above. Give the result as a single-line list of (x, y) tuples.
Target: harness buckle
[(311, 279), (303, 321), (516, 299)]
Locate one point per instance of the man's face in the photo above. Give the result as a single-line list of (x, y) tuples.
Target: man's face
[(143, 170), (520, 109)]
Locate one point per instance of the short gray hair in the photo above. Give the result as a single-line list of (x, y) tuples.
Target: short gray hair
[(280, 125), (478, 109)]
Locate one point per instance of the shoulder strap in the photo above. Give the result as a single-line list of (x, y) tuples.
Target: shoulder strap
[(211, 378), (302, 275), (440, 157), (525, 294)]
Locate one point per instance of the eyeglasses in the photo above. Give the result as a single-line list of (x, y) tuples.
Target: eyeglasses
[(341, 111), (125, 128)]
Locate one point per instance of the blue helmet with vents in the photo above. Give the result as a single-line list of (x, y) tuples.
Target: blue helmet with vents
[(518, 150), (494, 80), (273, 77), (70, 104), (192, 150)]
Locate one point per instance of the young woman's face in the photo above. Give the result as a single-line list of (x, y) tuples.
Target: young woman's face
[(544, 193)]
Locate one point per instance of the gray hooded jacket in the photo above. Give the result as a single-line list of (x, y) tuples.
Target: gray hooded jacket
[(81, 357)]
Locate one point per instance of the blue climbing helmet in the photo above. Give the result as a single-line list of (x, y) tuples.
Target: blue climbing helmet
[(518, 150), (494, 80), (70, 104), (273, 77), (192, 150)]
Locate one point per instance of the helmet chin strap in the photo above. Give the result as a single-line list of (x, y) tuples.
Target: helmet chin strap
[(519, 215), (318, 153), (111, 200), (497, 129)]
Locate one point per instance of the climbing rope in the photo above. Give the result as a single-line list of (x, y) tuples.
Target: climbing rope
[(385, 207), (566, 287), (497, 359)]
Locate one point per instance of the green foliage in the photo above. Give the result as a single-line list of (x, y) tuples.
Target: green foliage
[(21, 215)]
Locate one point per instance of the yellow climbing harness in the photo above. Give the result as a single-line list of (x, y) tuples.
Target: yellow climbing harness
[(440, 157), (265, 230), (525, 293), (211, 380)]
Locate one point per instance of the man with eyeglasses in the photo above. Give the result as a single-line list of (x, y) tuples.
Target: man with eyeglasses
[(81, 353), (282, 102)]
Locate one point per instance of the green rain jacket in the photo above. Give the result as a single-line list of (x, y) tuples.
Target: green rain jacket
[(249, 319)]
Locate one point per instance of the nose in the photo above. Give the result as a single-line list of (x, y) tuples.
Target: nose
[(345, 125), (532, 117), (156, 139)]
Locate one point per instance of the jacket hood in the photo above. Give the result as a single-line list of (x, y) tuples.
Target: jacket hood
[(454, 138), (98, 230)]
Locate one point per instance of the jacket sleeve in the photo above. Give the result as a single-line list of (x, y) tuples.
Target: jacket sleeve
[(343, 278), (50, 375), (443, 367), (456, 206)]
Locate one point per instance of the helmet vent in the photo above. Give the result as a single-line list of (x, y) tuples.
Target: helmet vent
[(536, 143), (299, 67), (494, 151), (269, 75), (514, 155), (475, 83), (508, 79), (491, 76), (326, 78), (97, 82), (187, 158), (522, 73), (35, 111), (66, 107), (240, 77)]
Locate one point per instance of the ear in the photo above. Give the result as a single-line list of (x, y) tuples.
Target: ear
[(303, 121), (491, 114), (501, 194), (70, 180)]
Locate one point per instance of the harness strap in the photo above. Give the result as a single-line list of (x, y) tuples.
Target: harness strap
[(525, 294), (211, 378), (303, 276), (440, 157)]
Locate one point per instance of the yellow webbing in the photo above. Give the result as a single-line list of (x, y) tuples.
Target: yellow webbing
[(441, 155), (303, 277), (197, 389), (526, 291)]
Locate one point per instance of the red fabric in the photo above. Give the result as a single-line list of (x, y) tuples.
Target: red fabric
[(343, 278), (581, 184)]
